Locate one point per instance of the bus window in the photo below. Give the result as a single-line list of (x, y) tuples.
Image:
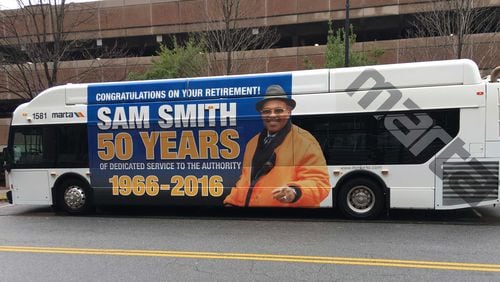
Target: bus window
[(72, 148), (363, 139), (28, 146), (32, 147)]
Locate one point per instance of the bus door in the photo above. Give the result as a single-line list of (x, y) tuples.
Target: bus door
[(32, 154)]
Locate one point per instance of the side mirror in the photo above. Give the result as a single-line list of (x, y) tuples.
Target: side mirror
[(6, 159)]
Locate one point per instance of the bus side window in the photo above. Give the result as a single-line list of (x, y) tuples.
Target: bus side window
[(28, 146), (72, 147)]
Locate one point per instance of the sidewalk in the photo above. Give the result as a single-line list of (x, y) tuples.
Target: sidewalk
[(3, 193)]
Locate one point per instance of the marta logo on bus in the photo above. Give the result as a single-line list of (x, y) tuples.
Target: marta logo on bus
[(68, 115)]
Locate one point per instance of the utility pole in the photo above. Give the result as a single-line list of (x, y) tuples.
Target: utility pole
[(346, 34)]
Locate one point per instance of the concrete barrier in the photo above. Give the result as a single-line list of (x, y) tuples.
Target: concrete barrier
[(3, 194)]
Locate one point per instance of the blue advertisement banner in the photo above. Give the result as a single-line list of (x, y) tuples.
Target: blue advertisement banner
[(185, 89), (173, 142)]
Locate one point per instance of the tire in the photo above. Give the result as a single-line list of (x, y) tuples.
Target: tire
[(74, 197), (361, 198)]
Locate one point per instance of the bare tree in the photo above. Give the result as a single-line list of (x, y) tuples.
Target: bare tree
[(36, 39), (455, 29), (233, 26)]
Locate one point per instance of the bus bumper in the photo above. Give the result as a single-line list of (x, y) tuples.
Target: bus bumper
[(9, 196)]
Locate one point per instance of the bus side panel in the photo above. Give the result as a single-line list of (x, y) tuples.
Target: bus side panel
[(30, 186), (465, 176), (415, 194), (493, 120), (466, 184), (189, 142)]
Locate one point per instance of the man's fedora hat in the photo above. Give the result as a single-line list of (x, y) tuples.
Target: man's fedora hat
[(275, 92)]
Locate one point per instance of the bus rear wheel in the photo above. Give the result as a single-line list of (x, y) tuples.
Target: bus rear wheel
[(74, 197), (361, 198)]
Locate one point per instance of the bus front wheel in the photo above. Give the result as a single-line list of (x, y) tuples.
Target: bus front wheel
[(74, 197), (361, 198)]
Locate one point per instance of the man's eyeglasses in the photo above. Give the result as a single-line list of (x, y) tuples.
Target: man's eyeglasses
[(268, 112)]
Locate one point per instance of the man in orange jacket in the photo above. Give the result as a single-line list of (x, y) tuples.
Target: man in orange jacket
[(283, 165)]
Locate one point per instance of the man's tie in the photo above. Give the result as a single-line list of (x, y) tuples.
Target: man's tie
[(268, 139)]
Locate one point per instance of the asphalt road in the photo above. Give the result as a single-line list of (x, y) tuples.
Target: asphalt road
[(263, 245)]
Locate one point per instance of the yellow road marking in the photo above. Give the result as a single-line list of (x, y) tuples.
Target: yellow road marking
[(263, 257)]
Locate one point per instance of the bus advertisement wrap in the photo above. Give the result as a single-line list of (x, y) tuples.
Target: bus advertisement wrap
[(347, 137), (178, 142)]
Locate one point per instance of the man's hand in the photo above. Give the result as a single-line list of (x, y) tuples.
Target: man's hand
[(284, 194)]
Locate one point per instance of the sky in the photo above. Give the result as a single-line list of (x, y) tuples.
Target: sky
[(12, 4)]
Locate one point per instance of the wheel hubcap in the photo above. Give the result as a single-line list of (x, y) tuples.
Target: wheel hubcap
[(74, 197), (360, 199)]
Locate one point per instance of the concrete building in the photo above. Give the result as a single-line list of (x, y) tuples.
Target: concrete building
[(138, 26)]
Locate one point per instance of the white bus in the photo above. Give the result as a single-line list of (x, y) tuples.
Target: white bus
[(403, 136)]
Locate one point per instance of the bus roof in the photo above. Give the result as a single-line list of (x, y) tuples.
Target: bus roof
[(407, 75)]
